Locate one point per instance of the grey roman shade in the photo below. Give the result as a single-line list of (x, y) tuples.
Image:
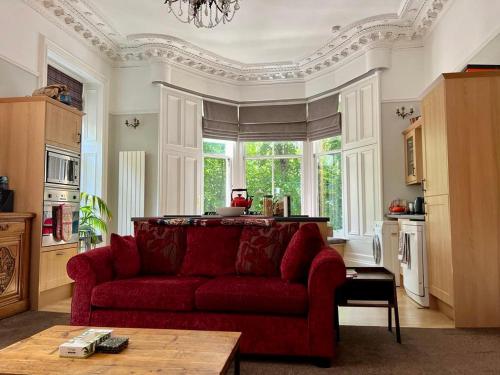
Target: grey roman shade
[(324, 120), (273, 123), (220, 121)]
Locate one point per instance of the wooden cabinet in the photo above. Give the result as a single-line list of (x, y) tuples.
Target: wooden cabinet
[(462, 194), (413, 153), (63, 128), (53, 267), (14, 263), (435, 180), (438, 242), (27, 124)]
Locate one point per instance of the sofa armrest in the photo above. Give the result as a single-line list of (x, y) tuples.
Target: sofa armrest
[(326, 274), (88, 270)]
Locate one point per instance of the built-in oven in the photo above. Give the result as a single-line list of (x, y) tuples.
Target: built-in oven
[(62, 167), (61, 216)]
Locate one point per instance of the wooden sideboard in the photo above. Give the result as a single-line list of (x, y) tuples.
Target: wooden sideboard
[(15, 231)]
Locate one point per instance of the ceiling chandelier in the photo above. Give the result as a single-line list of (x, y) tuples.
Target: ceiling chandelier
[(203, 13)]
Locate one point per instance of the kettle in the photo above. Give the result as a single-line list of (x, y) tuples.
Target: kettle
[(239, 200), (419, 205)]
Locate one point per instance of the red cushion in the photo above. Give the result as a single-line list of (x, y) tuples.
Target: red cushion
[(252, 294), (211, 251), (170, 293), (126, 260), (161, 248), (261, 249), (301, 250)]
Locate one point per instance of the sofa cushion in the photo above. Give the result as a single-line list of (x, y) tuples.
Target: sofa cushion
[(261, 249), (211, 251), (126, 261), (161, 248), (252, 294), (170, 293), (303, 247)]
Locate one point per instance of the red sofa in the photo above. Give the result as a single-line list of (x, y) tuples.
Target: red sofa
[(175, 288)]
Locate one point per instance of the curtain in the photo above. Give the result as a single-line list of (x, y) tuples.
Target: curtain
[(273, 123), (324, 120), (220, 121)]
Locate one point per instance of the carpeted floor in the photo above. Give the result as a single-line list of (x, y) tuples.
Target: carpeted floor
[(363, 350)]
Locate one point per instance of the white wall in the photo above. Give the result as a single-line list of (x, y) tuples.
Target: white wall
[(143, 138), (393, 159), (464, 28), (132, 91), (21, 27)]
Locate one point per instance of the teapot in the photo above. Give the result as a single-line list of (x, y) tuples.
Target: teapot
[(241, 201)]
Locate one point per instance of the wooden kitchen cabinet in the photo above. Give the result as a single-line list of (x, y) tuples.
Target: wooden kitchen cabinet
[(413, 153), (63, 127), (435, 181), (461, 113), (53, 267), (438, 243), (14, 263)]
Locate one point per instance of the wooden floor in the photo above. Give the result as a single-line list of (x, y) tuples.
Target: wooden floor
[(410, 314)]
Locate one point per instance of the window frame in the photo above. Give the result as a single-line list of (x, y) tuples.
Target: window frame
[(229, 157), (273, 157), (316, 154)]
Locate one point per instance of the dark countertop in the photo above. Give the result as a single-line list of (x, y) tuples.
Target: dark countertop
[(298, 219), (415, 217)]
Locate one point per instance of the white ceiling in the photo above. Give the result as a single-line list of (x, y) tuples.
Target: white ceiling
[(262, 31)]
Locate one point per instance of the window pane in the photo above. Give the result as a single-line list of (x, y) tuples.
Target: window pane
[(287, 173), (330, 144), (214, 147), (287, 148), (330, 189), (259, 179), (215, 175), (258, 148)]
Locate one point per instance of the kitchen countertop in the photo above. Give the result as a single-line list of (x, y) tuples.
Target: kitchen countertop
[(298, 219), (415, 217)]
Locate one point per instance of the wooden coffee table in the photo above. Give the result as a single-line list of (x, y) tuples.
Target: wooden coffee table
[(150, 351)]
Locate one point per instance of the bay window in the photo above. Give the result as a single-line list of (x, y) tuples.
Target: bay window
[(328, 163), (274, 168), (217, 161)]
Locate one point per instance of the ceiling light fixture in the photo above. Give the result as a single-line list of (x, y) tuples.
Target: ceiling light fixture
[(203, 13)]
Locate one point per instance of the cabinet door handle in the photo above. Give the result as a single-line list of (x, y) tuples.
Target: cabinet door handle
[(424, 189), (59, 252), (78, 137), (4, 227)]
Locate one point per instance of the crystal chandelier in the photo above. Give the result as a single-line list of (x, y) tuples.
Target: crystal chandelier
[(203, 13)]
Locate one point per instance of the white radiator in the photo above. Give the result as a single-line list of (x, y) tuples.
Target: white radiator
[(130, 189)]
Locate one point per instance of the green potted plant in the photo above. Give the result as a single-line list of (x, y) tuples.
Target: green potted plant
[(94, 218)]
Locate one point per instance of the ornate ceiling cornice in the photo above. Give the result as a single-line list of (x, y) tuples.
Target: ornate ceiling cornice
[(407, 27)]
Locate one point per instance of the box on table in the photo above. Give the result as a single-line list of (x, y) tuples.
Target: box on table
[(85, 344)]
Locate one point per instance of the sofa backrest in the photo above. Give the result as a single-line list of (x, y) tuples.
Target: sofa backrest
[(212, 250)]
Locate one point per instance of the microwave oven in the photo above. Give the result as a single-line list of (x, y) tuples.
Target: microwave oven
[(62, 168)]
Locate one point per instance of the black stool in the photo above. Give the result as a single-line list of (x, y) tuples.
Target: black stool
[(371, 287)]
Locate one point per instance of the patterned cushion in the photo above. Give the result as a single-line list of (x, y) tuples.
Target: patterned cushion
[(261, 249), (305, 244), (161, 248), (211, 251), (126, 261)]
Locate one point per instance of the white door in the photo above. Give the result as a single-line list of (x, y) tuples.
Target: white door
[(180, 154)]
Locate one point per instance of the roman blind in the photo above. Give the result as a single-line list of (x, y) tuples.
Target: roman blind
[(324, 119), (220, 121), (75, 88), (273, 122)]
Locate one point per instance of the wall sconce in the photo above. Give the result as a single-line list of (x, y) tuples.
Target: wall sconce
[(401, 112), (134, 124)]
